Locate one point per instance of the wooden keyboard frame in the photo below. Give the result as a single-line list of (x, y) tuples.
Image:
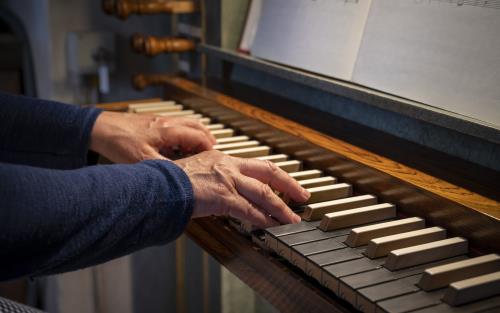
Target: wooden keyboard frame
[(415, 193)]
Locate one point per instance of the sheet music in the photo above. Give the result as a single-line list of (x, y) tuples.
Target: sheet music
[(250, 29), (442, 53), (321, 36)]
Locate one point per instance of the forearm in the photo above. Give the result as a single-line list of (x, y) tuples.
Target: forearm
[(44, 133), (56, 221)]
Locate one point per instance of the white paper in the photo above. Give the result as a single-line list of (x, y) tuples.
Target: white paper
[(251, 25), (321, 36), (442, 53)]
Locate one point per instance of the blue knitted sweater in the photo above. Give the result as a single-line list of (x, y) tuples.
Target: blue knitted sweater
[(56, 213)]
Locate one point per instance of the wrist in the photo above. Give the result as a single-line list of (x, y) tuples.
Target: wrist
[(100, 131)]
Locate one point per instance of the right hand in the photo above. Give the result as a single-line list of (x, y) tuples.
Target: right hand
[(241, 188)]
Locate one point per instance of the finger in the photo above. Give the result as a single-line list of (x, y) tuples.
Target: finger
[(187, 139), (244, 210), (264, 197), (270, 174), (199, 125), (196, 124)]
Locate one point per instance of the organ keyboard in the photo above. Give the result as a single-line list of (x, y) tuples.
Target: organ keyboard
[(376, 254)]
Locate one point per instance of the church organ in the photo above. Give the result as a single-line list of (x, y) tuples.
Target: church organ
[(376, 236)]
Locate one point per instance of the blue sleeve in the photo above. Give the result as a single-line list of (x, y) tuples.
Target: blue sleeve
[(54, 221), (44, 133)]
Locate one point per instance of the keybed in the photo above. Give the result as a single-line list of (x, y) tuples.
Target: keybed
[(350, 243)]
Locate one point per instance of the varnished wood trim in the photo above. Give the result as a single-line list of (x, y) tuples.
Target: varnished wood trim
[(410, 175), (286, 290)]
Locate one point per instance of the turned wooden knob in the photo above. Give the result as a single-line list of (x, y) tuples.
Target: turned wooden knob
[(124, 8), (141, 81), (108, 6), (151, 45)]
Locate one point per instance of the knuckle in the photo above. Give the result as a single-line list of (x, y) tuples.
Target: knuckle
[(266, 193), (273, 168)]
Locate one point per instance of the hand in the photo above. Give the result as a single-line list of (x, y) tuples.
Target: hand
[(130, 138), (241, 188)]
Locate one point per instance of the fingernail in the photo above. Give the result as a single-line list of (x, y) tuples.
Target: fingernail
[(306, 193)]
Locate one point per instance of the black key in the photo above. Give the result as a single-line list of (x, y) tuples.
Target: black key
[(332, 273), (315, 262), (484, 306), (299, 253), (411, 302), (367, 297)]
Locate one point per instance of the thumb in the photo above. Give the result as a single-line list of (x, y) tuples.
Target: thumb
[(153, 154)]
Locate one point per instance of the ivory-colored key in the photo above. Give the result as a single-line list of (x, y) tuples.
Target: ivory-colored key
[(249, 152), (236, 145), (360, 236), (195, 116), (330, 192), (306, 174), (159, 109), (204, 120), (379, 247), (274, 158), (289, 166), (441, 276), (222, 133), (425, 253), (473, 289), (315, 211), (222, 141), (317, 182), (176, 114), (215, 126), (363, 215), (133, 106)]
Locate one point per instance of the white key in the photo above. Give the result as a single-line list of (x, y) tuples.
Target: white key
[(159, 109), (249, 152), (316, 182), (360, 236), (215, 126), (274, 158), (473, 289), (441, 276), (306, 174), (222, 133), (425, 253), (176, 114), (379, 247), (329, 192), (203, 120), (358, 216), (133, 106), (289, 166), (236, 145), (221, 141), (315, 211)]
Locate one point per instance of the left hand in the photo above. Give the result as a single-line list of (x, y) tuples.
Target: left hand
[(130, 138)]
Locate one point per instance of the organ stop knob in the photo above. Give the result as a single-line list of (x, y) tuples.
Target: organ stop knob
[(151, 45), (124, 8)]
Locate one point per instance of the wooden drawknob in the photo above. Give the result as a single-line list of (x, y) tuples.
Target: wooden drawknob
[(124, 8), (141, 81), (152, 46)]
